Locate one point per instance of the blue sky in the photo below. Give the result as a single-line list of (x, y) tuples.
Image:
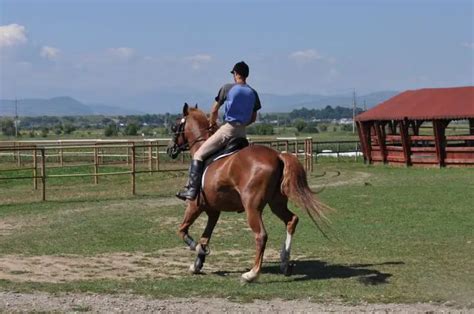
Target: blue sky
[(103, 51)]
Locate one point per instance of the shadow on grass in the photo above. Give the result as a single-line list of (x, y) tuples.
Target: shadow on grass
[(304, 270)]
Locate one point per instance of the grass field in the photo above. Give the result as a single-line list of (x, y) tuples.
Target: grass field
[(398, 235)]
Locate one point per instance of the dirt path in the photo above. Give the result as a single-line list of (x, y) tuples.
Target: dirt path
[(43, 302)]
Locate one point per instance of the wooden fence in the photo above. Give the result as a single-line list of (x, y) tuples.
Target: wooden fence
[(150, 155)]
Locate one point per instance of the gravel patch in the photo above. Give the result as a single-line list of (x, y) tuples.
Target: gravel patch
[(43, 302)]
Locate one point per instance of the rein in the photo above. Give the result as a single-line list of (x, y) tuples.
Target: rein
[(180, 131)]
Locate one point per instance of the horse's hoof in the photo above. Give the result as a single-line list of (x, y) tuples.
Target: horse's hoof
[(287, 268), (249, 276), (193, 270)]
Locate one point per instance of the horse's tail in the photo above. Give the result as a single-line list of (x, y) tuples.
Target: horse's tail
[(294, 185)]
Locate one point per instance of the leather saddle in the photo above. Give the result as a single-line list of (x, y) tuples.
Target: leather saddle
[(232, 146)]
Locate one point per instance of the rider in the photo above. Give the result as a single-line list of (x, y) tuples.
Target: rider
[(241, 105)]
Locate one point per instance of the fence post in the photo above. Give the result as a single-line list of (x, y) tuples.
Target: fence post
[(316, 155), (305, 149), (311, 153), (337, 148), (356, 151), (157, 155), (19, 155), (127, 148), (35, 170), (61, 156), (43, 174), (150, 158), (96, 165), (133, 168)]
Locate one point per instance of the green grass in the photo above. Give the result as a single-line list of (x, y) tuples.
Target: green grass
[(398, 235)]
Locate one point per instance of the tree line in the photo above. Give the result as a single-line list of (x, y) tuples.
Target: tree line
[(303, 120)]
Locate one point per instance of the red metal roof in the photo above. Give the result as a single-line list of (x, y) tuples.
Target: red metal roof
[(425, 104)]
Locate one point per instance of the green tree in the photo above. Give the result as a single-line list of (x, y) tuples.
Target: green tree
[(261, 129), (58, 129), (68, 128), (311, 128), (44, 132), (111, 130), (300, 125), (346, 127), (131, 129), (8, 127), (148, 131)]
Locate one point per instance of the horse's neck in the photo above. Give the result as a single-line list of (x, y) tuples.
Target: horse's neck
[(199, 136)]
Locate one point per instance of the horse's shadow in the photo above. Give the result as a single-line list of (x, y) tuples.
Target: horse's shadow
[(304, 270)]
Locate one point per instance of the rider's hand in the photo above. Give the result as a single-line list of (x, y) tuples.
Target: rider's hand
[(212, 125)]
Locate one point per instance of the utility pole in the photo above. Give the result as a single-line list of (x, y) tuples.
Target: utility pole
[(353, 110), (16, 117)]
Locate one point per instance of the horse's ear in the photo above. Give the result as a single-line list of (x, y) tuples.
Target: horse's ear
[(185, 109), (196, 106)]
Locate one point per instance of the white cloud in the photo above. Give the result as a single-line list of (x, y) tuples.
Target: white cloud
[(305, 55), (198, 60), (469, 45), (49, 53), (12, 34), (122, 52)]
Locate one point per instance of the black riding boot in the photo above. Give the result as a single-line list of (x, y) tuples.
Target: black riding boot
[(194, 184)]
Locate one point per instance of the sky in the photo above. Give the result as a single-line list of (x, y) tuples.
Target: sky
[(104, 50)]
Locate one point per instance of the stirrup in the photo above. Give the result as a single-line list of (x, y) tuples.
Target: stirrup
[(187, 194)]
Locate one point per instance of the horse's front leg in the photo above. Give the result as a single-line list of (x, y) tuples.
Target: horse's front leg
[(202, 248), (190, 215)]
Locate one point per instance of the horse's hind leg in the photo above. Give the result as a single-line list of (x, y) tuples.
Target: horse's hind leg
[(279, 206), (254, 217), (202, 248)]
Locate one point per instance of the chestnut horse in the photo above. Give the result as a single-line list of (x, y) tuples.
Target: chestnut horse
[(245, 181)]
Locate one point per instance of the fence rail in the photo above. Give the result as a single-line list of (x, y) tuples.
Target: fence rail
[(40, 157)]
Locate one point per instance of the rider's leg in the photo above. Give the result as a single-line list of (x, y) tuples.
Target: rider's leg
[(212, 144)]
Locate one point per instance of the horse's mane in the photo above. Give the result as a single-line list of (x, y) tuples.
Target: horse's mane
[(200, 117), (197, 114)]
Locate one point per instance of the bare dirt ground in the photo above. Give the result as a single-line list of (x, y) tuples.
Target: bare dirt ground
[(42, 302), (167, 263), (128, 266)]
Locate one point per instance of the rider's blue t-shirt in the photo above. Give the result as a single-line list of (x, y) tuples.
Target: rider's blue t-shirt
[(240, 101)]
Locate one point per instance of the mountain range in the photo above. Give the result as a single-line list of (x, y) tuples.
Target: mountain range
[(172, 102)]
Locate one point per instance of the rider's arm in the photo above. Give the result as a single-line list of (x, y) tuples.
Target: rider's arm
[(214, 114), (254, 117)]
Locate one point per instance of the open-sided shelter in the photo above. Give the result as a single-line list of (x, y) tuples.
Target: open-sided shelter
[(390, 132)]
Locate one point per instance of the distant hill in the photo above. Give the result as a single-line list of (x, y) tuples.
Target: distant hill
[(59, 106), (107, 110), (275, 103), (172, 102)]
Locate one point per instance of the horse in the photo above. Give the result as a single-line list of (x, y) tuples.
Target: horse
[(245, 181)]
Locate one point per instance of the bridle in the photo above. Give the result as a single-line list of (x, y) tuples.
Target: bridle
[(178, 130)]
